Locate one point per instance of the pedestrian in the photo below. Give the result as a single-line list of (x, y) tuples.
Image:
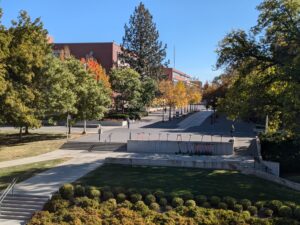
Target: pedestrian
[(232, 129), (99, 131), (128, 122)]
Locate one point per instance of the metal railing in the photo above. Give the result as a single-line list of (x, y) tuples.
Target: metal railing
[(10, 188)]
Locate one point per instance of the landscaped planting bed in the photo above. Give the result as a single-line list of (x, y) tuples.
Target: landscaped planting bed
[(117, 205)]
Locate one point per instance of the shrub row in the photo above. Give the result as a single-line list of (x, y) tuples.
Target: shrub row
[(159, 201)]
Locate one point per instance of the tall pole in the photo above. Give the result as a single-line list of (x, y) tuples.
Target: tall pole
[(174, 59)]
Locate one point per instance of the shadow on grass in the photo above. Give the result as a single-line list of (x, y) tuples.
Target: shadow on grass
[(13, 139)]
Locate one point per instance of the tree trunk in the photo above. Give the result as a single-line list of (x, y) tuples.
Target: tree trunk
[(26, 130), (84, 127), (170, 112), (69, 127), (20, 134)]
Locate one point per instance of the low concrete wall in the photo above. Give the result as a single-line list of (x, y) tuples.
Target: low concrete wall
[(205, 164), (113, 123), (172, 147), (273, 178)]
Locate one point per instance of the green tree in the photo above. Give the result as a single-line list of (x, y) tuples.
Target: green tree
[(149, 89), (126, 82), (267, 61), (92, 97), (141, 48), (29, 49)]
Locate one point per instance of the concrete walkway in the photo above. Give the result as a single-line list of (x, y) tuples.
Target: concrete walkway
[(194, 120)]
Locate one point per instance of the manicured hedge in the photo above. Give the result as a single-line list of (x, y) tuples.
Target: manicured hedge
[(282, 149)]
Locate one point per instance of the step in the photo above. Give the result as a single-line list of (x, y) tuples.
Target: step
[(19, 209), (25, 198), (10, 213), (22, 201), (14, 217), (23, 205)]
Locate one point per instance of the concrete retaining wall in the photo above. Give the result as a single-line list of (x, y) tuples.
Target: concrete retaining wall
[(113, 123), (172, 147), (205, 164)]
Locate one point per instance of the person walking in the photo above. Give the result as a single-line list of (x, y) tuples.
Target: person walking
[(232, 129), (128, 122), (99, 131)]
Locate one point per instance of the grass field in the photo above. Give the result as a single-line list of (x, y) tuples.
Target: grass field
[(197, 181), (30, 145), (26, 171), (293, 177)]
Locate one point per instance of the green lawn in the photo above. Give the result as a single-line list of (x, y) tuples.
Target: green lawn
[(292, 177), (197, 181), (26, 171)]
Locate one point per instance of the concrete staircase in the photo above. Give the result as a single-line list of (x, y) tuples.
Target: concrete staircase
[(21, 207), (95, 146)]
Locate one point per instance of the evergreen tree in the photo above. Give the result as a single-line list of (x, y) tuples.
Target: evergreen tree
[(141, 48)]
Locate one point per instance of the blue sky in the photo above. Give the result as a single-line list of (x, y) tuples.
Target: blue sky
[(194, 26)]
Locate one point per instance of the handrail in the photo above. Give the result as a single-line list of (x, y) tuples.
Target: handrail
[(7, 190)]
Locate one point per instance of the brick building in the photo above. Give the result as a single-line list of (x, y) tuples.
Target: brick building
[(106, 53)]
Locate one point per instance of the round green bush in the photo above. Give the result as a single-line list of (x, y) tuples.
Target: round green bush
[(154, 206), (177, 202), (297, 212), (214, 201), (252, 210), (222, 205), (150, 199), (290, 204), (105, 189), (118, 190), (66, 191), (107, 195), (94, 193), (229, 201), (259, 205), (159, 194), (131, 191), (274, 205), (268, 212), (285, 211), (85, 202), (200, 199), (135, 198), (190, 203), (145, 192), (246, 203), (140, 206), (163, 202), (126, 204), (56, 205), (186, 196), (238, 208), (121, 197), (79, 191), (168, 208), (206, 205)]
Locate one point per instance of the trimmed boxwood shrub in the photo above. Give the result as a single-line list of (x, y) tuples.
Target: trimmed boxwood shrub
[(229, 201), (285, 211), (159, 194), (259, 205), (79, 191), (126, 204), (206, 205), (150, 199), (154, 206), (168, 208), (246, 203), (121, 197), (56, 205), (268, 212), (297, 212), (105, 188), (177, 202), (144, 192), (118, 190), (131, 191), (222, 205), (94, 193), (275, 205), (163, 202), (86, 202), (117, 116), (135, 198), (186, 196), (66, 191), (200, 199), (140, 206), (252, 210), (107, 195), (190, 203), (214, 201), (238, 208)]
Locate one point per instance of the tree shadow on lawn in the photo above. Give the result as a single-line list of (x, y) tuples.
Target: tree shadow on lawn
[(197, 181), (13, 139)]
